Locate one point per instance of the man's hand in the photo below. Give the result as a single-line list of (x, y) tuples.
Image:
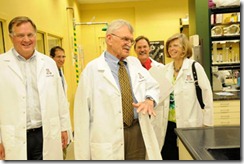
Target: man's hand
[(64, 138), (145, 107), (2, 152)]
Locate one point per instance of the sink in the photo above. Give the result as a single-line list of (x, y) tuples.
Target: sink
[(232, 153)]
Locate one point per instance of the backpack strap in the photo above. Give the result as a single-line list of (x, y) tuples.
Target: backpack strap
[(198, 89), (194, 73)]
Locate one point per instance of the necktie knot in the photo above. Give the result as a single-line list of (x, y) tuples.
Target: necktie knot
[(121, 63)]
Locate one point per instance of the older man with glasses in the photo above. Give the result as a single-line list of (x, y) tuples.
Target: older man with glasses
[(114, 102)]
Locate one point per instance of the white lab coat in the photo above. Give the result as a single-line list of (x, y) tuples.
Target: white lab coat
[(98, 122), (70, 134), (65, 83), (157, 121), (156, 64), (188, 110), (55, 114)]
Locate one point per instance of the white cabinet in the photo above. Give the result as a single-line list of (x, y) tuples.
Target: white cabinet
[(226, 112)]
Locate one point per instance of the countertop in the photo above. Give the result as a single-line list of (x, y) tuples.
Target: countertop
[(197, 140), (235, 95)]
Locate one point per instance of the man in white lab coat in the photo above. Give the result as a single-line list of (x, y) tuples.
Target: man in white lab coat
[(142, 49), (34, 118), (100, 131), (57, 53)]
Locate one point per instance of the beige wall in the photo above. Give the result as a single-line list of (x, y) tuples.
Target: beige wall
[(156, 19)]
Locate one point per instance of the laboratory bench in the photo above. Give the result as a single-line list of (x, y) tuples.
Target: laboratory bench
[(226, 95), (209, 143)]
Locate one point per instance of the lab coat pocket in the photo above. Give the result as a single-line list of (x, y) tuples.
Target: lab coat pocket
[(8, 137), (55, 130), (189, 90), (101, 151), (139, 82)]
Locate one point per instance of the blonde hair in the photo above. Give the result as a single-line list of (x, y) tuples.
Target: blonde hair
[(186, 45)]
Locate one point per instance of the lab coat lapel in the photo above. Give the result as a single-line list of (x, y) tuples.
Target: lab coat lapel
[(39, 65), (169, 72), (11, 61), (134, 76), (185, 66), (104, 68), (41, 82)]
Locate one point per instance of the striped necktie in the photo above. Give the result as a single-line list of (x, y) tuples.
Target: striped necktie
[(126, 92)]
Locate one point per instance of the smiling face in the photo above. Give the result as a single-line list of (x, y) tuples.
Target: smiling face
[(142, 50), (175, 50), (119, 42), (23, 38), (59, 58)]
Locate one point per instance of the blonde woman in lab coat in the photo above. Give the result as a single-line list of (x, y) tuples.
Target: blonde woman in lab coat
[(181, 107)]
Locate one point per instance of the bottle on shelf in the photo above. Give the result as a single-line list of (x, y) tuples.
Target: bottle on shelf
[(234, 17), (214, 53), (225, 57), (227, 54), (219, 58)]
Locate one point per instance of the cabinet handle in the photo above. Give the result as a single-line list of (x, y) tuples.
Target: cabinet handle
[(224, 117), (225, 122), (224, 104), (224, 110)]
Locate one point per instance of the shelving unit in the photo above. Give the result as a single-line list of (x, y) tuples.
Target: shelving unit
[(225, 40)]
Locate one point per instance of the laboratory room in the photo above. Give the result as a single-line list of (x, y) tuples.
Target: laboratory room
[(195, 87)]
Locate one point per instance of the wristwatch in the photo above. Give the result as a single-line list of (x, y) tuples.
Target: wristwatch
[(150, 98)]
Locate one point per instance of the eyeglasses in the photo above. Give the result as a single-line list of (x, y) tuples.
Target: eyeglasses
[(22, 36), (125, 39)]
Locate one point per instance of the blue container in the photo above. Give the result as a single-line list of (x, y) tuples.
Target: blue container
[(238, 81)]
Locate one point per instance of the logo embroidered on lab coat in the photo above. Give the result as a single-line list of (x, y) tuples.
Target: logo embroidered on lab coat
[(189, 79), (49, 73), (140, 76)]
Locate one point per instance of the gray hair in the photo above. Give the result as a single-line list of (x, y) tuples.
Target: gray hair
[(117, 24)]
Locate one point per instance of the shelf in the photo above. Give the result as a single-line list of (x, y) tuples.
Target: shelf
[(226, 66), (226, 63), (223, 36), (228, 9), (229, 37), (224, 24)]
